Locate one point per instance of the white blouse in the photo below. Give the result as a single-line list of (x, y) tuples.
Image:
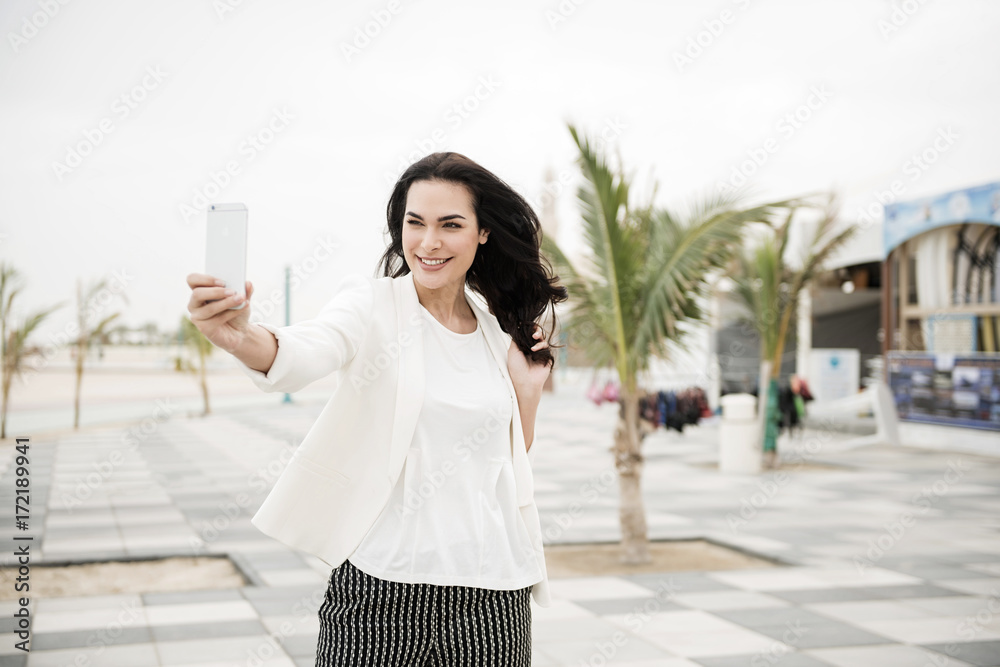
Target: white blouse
[(453, 510)]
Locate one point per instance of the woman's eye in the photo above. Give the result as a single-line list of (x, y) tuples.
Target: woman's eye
[(417, 222)]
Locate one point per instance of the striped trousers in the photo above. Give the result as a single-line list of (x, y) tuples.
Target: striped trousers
[(366, 621)]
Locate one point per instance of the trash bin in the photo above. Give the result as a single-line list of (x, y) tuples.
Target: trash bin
[(739, 450)]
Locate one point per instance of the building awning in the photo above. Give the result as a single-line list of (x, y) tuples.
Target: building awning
[(905, 220)]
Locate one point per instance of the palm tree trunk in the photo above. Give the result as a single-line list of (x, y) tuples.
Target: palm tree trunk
[(3, 409), (628, 462), (204, 381), (771, 412), (80, 351)]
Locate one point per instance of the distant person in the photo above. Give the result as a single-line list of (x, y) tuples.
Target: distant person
[(415, 482)]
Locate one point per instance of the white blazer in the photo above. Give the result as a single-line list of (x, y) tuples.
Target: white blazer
[(341, 476)]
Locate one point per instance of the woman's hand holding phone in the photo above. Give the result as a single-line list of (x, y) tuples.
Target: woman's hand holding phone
[(213, 311)]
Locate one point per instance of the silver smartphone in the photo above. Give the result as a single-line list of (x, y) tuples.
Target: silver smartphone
[(226, 249)]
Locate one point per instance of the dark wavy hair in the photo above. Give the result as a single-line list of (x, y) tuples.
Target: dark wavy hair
[(509, 271)]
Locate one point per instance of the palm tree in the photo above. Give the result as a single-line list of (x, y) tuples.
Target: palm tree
[(87, 307), (770, 288), (151, 331), (637, 294), (203, 348), (14, 350)]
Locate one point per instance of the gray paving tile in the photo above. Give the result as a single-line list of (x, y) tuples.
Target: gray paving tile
[(981, 654), (297, 592), (45, 641), (624, 605), (163, 633), (814, 595), (821, 635), (757, 660), (938, 572), (301, 646), (755, 618), (191, 597), (911, 591)]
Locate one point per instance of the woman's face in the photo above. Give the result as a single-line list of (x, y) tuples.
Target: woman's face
[(439, 223)]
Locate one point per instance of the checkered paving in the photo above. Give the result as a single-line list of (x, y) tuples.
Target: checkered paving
[(892, 555)]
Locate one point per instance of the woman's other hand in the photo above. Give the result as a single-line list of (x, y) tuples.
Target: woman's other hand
[(526, 376)]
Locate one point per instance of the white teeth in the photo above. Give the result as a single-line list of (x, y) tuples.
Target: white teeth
[(433, 262)]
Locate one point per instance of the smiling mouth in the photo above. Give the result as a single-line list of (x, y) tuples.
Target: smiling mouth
[(435, 264)]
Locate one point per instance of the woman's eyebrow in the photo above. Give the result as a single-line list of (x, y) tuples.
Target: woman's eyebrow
[(441, 219)]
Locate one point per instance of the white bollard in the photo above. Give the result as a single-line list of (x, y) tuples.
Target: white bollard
[(739, 446)]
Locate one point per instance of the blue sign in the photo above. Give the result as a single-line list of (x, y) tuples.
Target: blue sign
[(904, 220)]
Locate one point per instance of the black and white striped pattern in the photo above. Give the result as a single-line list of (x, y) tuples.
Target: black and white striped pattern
[(366, 621)]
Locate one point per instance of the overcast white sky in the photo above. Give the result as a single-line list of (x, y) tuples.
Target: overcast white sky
[(181, 85)]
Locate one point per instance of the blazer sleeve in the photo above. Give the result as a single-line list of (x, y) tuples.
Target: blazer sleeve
[(312, 349)]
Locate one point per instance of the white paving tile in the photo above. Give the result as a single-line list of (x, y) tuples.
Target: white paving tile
[(293, 577), (171, 614), (559, 609), (90, 619), (721, 642), (773, 579), (597, 588), (227, 650)]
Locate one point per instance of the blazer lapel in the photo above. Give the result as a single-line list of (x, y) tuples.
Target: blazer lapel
[(410, 386)]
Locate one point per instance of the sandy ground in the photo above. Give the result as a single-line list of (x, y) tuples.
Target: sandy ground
[(112, 578), (582, 560)]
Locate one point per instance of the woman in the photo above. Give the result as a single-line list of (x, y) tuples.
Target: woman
[(428, 518)]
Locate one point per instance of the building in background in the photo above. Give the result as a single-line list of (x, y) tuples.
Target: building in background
[(942, 312)]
